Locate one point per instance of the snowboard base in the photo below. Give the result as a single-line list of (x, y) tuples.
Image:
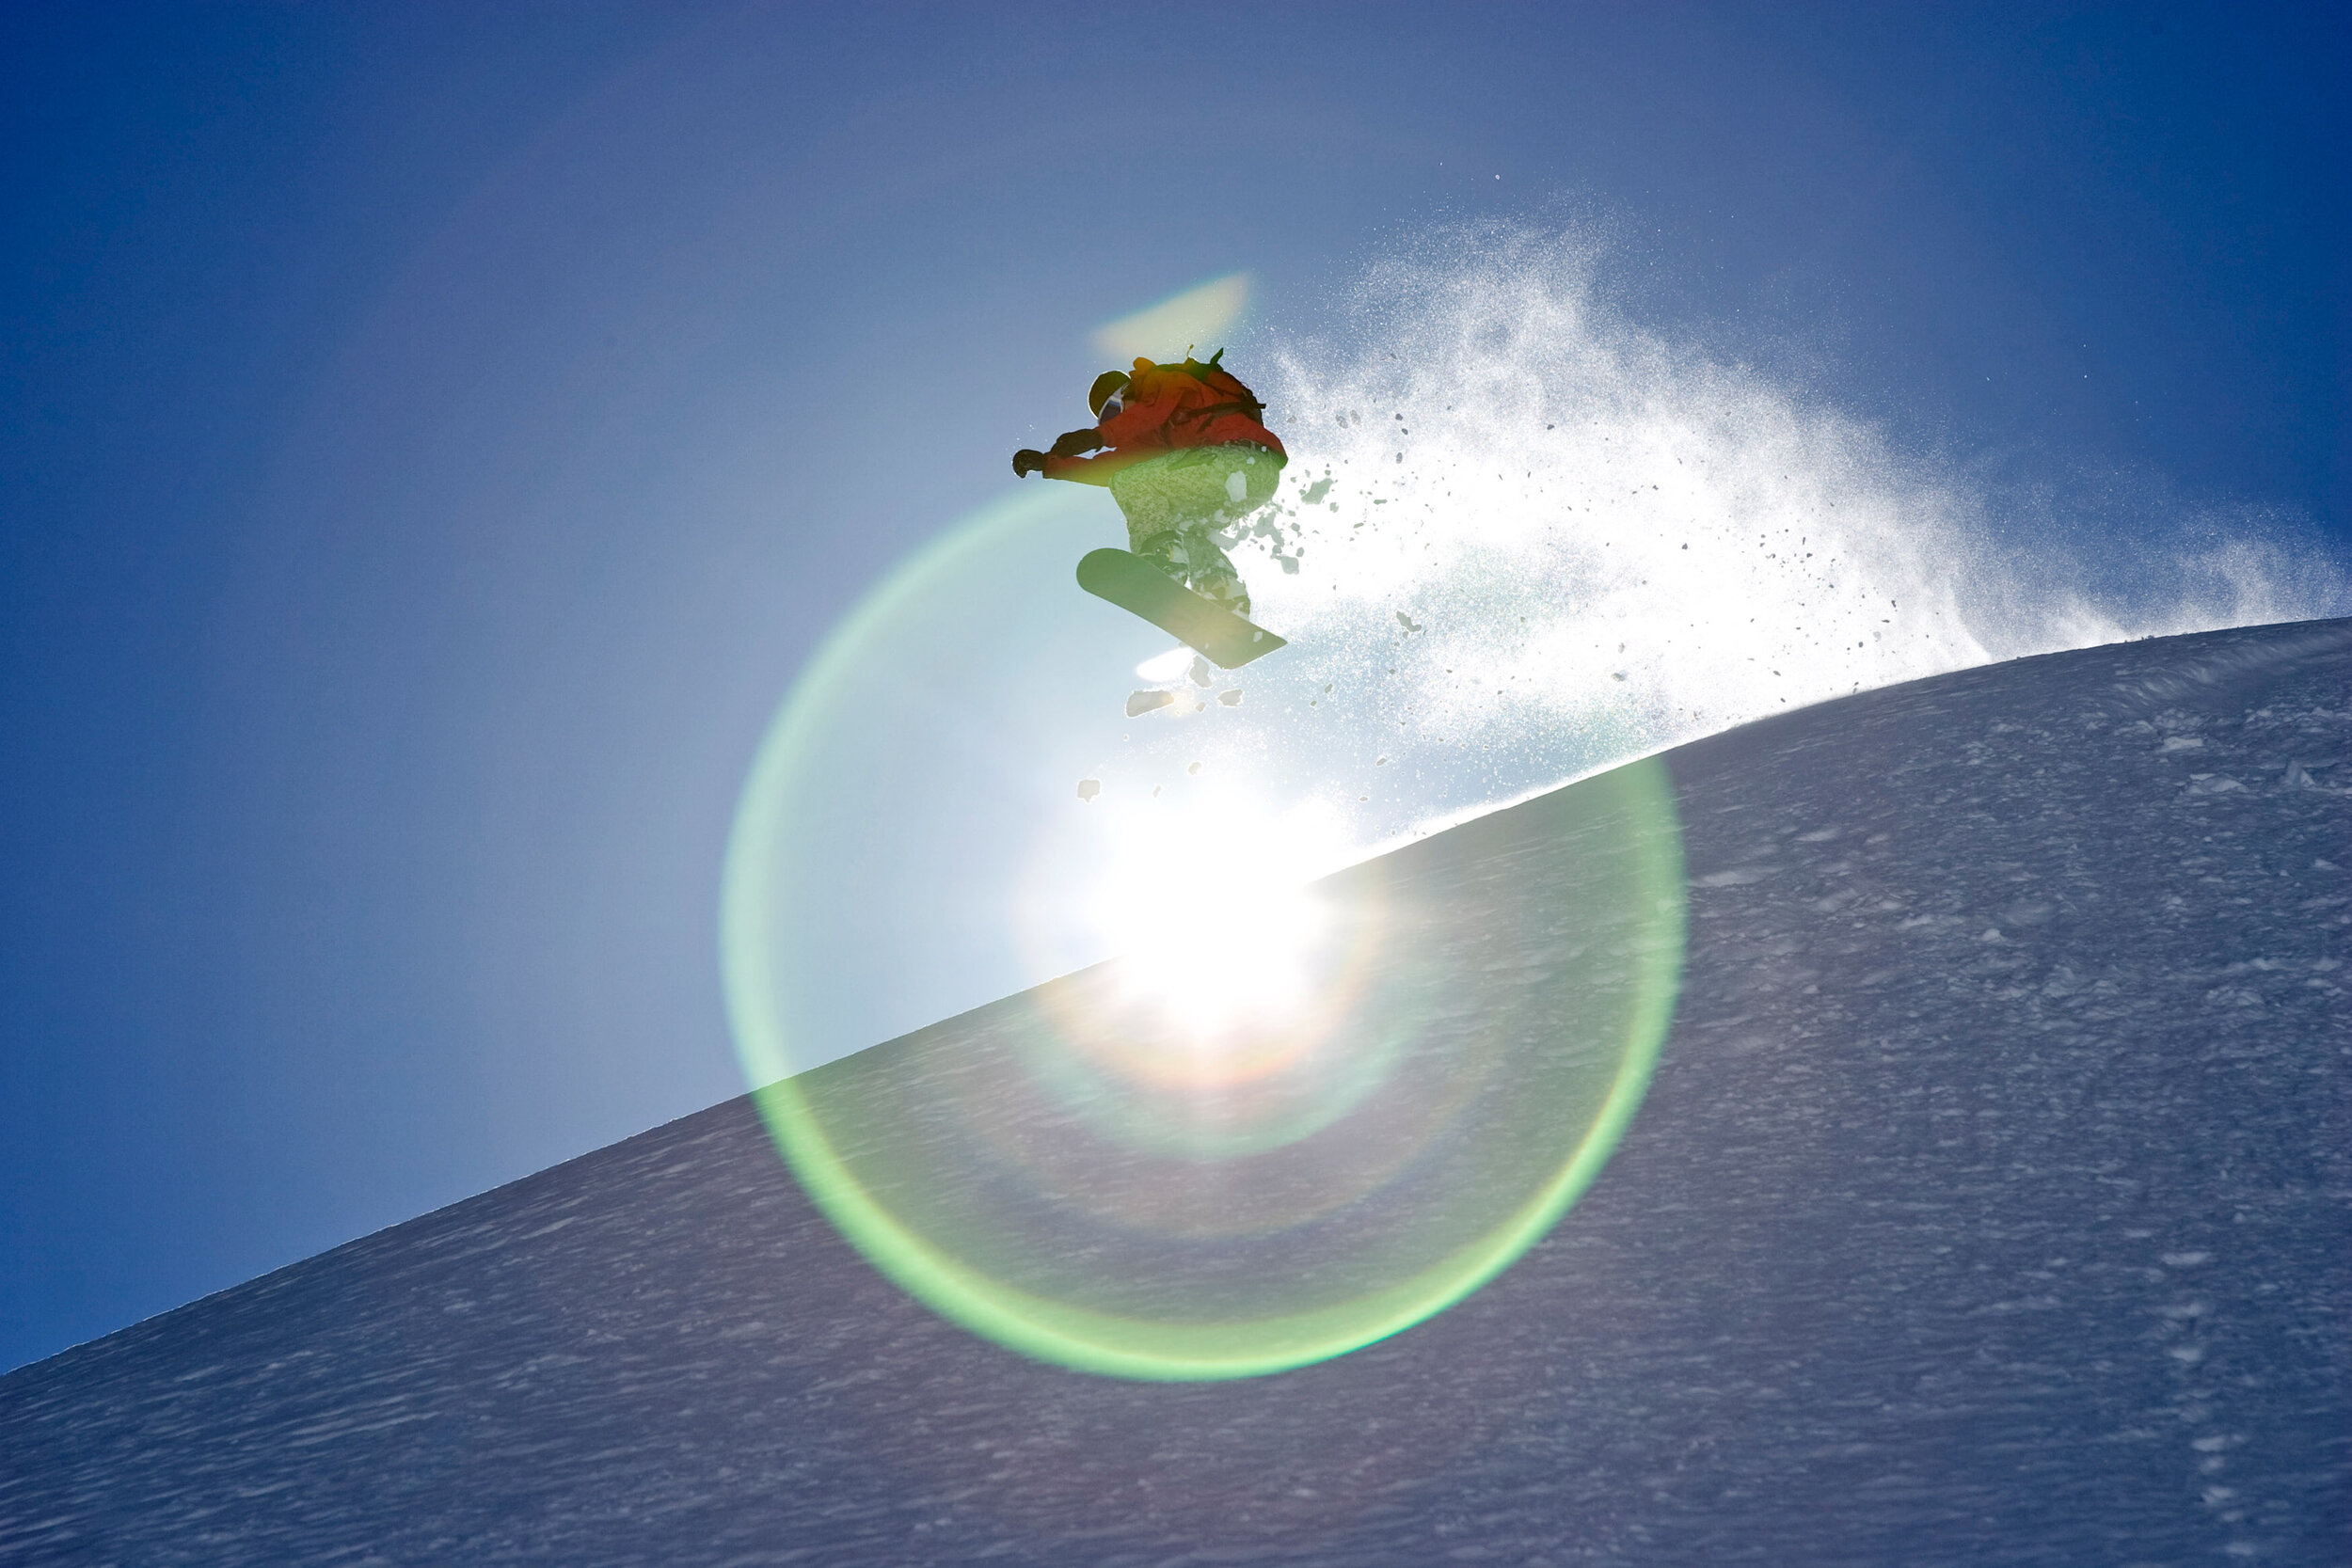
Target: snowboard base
[(1140, 588)]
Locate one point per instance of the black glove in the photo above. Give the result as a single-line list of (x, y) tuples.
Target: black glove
[(1075, 443), (1027, 459)]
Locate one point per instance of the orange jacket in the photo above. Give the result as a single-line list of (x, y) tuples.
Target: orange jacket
[(1167, 407)]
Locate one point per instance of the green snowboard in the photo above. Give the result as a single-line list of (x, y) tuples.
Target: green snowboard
[(1140, 588)]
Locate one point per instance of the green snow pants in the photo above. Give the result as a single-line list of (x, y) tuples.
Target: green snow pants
[(1175, 503)]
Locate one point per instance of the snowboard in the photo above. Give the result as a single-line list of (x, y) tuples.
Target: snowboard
[(1140, 588)]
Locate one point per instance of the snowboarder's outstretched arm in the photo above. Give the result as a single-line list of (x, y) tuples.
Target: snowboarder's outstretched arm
[(1071, 444)]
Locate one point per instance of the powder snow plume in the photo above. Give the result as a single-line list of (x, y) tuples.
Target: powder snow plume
[(1550, 539)]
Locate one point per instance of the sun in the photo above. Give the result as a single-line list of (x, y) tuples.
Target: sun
[(1208, 906)]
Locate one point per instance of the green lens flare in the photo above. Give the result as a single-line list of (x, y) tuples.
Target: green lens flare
[(1082, 1174)]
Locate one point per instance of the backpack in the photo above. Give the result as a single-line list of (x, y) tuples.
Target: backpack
[(1238, 399)]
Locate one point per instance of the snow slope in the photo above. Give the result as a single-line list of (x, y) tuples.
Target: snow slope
[(1992, 1204)]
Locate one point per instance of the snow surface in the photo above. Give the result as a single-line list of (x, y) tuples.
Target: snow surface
[(1990, 1206)]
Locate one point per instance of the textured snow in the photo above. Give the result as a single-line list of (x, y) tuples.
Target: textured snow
[(1992, 1204)]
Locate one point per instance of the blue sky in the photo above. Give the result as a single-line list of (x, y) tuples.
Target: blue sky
[(433, 440)]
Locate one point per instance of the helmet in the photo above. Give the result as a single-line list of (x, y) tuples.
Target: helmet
[(1106, 387)]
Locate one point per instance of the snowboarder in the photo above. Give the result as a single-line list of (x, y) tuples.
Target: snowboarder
[(1182, 451)]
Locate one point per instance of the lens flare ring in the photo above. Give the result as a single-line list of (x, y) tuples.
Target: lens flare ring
[(1089, 1174)]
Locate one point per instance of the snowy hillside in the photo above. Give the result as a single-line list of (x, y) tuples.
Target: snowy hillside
[(1992, 1202)]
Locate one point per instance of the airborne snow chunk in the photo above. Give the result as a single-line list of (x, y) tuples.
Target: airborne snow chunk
[(1140, 702), (1230, 699), (1199, 671), (1090, 789)]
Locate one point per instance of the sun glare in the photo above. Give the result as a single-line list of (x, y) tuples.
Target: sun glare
[(1211, 913), (1167, 666)]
